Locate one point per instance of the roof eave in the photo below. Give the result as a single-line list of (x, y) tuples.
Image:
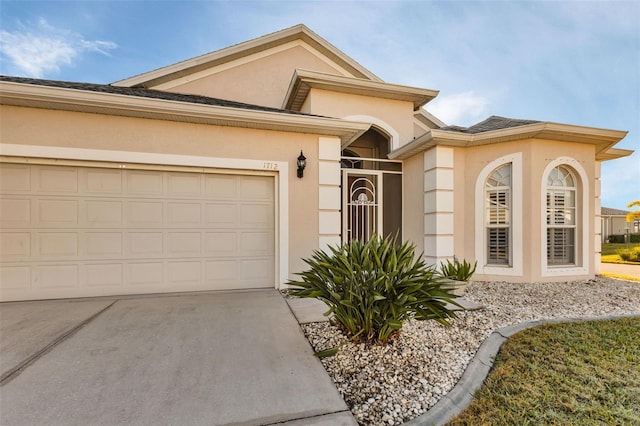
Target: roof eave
[(428, 119), (613, 154), (303, 81), (65, 99), (603, 139)]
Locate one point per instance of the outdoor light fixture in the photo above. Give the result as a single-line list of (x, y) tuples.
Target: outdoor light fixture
[(302, 163)]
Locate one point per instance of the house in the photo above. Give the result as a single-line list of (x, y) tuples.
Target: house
[(186, 178), (614, 222)]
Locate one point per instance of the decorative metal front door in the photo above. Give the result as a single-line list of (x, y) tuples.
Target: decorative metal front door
[(362, 216)]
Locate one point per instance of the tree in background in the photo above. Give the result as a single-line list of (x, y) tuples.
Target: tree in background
[(634, 215)]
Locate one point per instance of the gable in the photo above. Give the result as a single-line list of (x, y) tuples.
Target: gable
[(262, 78), (257, 71)]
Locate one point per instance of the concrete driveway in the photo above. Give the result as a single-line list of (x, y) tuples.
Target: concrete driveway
[(193, 359)]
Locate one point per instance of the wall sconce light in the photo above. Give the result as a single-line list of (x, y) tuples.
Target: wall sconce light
[(302, 163)]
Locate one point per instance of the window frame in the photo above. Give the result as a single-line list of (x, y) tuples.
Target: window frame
[(581, 241), (498, 216), (515, 269)]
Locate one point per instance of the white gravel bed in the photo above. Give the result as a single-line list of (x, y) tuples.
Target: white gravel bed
[(389, 385)]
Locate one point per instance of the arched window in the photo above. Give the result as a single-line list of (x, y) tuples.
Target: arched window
[(498, 216), (561, 217)]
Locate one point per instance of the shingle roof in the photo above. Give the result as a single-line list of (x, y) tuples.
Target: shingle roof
[(492, 123), (606, 211), (145, 93)]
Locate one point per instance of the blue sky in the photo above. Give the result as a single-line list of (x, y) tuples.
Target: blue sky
[(568, 62)]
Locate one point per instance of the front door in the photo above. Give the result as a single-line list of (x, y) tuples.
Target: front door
[(362, 201)]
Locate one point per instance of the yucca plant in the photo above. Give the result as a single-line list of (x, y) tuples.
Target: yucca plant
[(372, 288), (458, 271)]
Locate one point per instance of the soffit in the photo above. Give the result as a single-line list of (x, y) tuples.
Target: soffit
[(303, 81), (33, 96), (248, 48), (613, 153)]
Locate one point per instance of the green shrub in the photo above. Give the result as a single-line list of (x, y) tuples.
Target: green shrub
[(634, 238), (458, 271), (372, 288), (630, 255), (616, 238)]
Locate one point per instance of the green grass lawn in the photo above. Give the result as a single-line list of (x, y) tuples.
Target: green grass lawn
[(585, 373), (608, 249)]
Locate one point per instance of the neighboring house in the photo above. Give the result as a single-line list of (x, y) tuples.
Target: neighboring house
[(185, 178), (614, 222)]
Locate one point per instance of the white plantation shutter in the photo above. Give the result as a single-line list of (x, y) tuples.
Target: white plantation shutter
[(498, 215), (498, 245), (561, 217)]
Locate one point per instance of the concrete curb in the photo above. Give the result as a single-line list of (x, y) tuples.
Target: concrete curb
[(459, 398)]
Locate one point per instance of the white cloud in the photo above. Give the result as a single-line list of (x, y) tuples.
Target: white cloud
[(461, 108), (37, 49)]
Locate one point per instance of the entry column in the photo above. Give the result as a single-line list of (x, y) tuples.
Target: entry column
[(438, 204)]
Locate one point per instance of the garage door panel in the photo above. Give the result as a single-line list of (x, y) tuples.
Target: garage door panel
[(184, 214), (221, 244), (220, 187), (256, 243), (57, 213), (256, 269), (181, 244), (187, 185), (104, 275), (15, 178), (145, 183), (184, 272), (255, 215), (78, 231), (255, 188), (145, 244), (15, 277), (102, 182), (146, 274), (100, 213), (221, 215), (145, 214), (54, 180), (15, 245), (103, 244), (221, 271), (57, 245), (57, 276), (15, 213)]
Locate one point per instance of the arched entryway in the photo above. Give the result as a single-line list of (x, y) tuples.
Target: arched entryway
[(371, 189)]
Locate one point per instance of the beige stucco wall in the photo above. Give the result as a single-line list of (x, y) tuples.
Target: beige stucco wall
[(398, 115), (536, 155), (261, 79), (42, 127), (413, 191)]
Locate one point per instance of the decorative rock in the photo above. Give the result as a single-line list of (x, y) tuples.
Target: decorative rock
[(395, 383)]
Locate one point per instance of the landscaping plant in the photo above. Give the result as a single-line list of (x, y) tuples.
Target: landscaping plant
[(372, 287), (630, 255), (458, 271)]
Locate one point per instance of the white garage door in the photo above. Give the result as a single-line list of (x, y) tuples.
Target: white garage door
[(82, 231)]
